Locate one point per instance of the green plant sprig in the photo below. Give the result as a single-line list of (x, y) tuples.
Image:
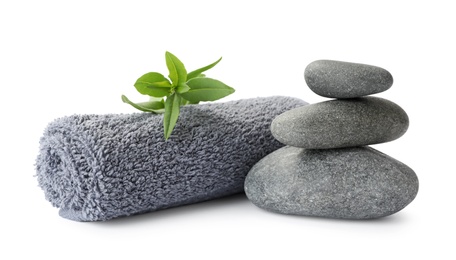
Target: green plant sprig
[(184, 88)]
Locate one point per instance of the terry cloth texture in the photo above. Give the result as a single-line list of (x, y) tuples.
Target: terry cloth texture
[(99, 167)]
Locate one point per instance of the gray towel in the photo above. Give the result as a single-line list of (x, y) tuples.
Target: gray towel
[(99, 167)]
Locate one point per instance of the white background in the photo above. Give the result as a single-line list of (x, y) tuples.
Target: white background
[(60, 58)]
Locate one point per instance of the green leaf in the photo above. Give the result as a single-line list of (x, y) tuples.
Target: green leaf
[(177, 71), (160, 99), (152, 106), (206, 89), (185, 102), (197, 73), (172, 108), (182, 88), (192, 102), (153, 84)]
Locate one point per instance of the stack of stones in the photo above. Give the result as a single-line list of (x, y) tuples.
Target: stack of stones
[(327, 168)]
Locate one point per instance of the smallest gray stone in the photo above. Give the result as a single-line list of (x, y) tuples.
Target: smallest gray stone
[(338, 79)]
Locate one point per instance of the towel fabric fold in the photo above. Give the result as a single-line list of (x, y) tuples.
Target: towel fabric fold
[(99, 167)]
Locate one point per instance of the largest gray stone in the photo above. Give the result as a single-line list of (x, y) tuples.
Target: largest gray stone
[(338, 79), (348, 183), (341, 123)]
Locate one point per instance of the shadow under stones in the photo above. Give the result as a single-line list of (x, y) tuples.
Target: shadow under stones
[(394, 219)]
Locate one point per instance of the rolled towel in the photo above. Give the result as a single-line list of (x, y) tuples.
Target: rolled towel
[(99, 167)]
